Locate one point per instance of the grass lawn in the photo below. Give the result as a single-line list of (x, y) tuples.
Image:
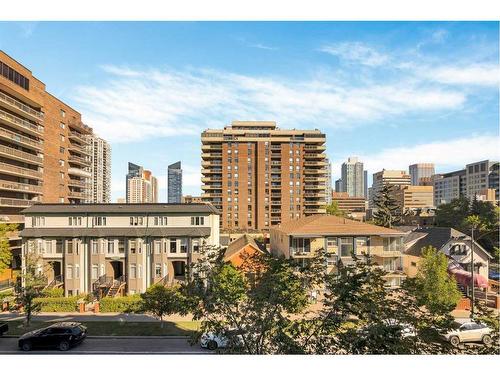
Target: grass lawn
[(117, 328)]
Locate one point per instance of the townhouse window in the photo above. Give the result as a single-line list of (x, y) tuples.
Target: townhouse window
[(165, 247), (132, 246), (346, 246), (157, 247), (121, 246), (99, 221), (197, 220), (69, 271), (59, 246), (95, 247), (48, 246), (111, 246), (173, 245), (157, 270), (77, 271), (362, 245), (389, 264), (133, 271), (69, 247), (95, 271), (139, 271), (196, 246), (184, 245), (331, 243)]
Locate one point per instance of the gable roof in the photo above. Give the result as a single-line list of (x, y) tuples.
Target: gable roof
[(239, 244), (332, 225), (436, 237)]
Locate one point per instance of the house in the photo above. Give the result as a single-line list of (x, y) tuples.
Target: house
[(454, 244), (301, 239), (242, 248), (110, 249)]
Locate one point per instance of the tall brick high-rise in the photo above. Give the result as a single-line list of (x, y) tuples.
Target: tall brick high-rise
[(259, 175)]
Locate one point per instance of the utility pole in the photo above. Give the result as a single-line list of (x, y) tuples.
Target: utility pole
[(472, 270)]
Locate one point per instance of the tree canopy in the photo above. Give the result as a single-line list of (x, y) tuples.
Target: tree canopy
[(387, 211), (5, 252)]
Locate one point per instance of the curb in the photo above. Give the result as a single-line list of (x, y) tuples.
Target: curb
[(115, 337)]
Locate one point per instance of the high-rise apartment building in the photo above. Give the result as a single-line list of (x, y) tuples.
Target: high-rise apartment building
[(100, 154), (328, 182), (258, 175), (43, 147), (387, 177), (338, 186), (353, 178), (421, 171), (482, 175), (141, 185), (449, 186), (175, 183)]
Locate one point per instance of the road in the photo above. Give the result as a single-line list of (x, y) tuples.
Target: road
[(112, 345)]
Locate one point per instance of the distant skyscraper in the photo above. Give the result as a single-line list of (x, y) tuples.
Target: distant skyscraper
[(365, 182), (328, 195), (142, 186), (421, 170), (175, 183), (100, 156), (353, 178), (338, 185), (387, 177)]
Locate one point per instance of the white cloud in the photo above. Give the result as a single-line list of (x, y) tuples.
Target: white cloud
[(356, 52), (474, 74), (263, 46), (445, 154), (137, 105)]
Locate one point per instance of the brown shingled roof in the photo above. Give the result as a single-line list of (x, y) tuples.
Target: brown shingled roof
[(241, 242), (332, 225)]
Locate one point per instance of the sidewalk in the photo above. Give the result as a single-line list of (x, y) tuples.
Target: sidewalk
[(92, 317)]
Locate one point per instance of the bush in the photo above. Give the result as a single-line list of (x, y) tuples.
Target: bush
[(121, 304), (9, 293), (53, 293), (57, 304)]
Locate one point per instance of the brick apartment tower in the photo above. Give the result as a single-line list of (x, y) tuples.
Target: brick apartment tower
[(258, 175), (43, 147)]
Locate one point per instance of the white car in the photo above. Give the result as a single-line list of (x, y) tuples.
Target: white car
[(469, 332), (213, 341)]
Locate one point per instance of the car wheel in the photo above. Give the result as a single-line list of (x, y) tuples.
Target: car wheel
[(486, 340), (212, 345), (454, 340), (26, 346), (63, 345)]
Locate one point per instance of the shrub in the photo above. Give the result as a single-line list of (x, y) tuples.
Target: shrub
[(53, 293), (121, 304), (57, 304), (8, 293)]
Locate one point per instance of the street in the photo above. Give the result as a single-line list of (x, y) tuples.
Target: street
[(112, 345)]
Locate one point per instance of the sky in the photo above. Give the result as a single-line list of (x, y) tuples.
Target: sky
[(390, 93)]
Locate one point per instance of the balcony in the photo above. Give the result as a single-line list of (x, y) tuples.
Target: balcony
[(79, 160), (314, 171), (275, 203), (315, 163), (211, 178), (309, 211), (211, 155), (211, 170), (20, 107), (12, 153), (211, 187), (208, 163), (21, 139), (17, 186), (79, 125), (314, 155), (314, 187), (11, 202), (77, 183), (315, 147), (314, 203), (77, 194), (79, 172), (78, 137), (20, 171), (275, 162), (315, 179), (211, 147), (75, 147), (21, 124)]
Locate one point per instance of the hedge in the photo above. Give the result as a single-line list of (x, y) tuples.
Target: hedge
[(121, 304), (57, 304), (53, 293)]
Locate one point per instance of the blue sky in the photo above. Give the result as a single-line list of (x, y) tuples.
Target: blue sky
[(392, 93)]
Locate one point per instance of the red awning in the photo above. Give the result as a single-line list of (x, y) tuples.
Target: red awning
[(463, 277)]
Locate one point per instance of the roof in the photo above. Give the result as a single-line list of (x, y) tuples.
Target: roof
[(239, 244), (332, 225), (116, 232), (93, 208), (436, 237)]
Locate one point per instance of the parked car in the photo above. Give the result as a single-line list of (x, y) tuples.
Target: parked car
[(4, 327), (469, 332), (212, 341), (59, 335), (396, 327)]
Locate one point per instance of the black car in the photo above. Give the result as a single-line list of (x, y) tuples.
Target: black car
[(4, 327), (60, 335)]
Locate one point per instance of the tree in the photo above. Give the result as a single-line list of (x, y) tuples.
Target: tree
[(161, 300), (387, 209), (433, 286), (5, 252), (32, 284), (333, 209)]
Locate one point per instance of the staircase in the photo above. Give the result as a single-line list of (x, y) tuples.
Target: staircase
[(117, 287), (56, 283)]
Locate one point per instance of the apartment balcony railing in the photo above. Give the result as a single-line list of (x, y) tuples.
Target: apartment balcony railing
[(77, 194), (314, 187), (75, 147), (21, 124), (211, 147), (275, 162), (315, 147), (77, 124), (19, 171), (314, 155), (211, 155), (16, 104), (78, 137), (75, 182), (317, 194), (211, 178), (79, 172), (11, 202), (13, 153), (79, 160), (275, 203), (211, 170), (17, 186), (21, 139), (208, 163)]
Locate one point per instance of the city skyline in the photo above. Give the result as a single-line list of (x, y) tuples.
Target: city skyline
[(388, 93)]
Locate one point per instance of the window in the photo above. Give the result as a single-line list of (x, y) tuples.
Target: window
[(132, 246), (389, 264), (48, 247), (69, 271), (77, 271), (61, 150), (38, 221), (99, 221), (133, 271), (196, 246), (62, 138), (184, 245), (157, 270), (301, 245), (63, 113), (413, 264), (199, 220), (173, 245), (95, 247), (111, 247), (95, 271), (101, 273), (362, 245), (139, 271), (69, 247), (61, 125), (61, 163), (331, 243), (121, 246), (59, 246), (156, 246), (346, 246), (392, 243)]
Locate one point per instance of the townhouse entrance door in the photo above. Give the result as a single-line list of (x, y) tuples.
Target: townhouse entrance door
[(117, 269)]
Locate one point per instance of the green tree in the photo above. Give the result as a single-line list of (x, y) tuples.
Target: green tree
[(5, 252), (32, 285), (387, 211), (333, 209), (433, 286), (161, 300)]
